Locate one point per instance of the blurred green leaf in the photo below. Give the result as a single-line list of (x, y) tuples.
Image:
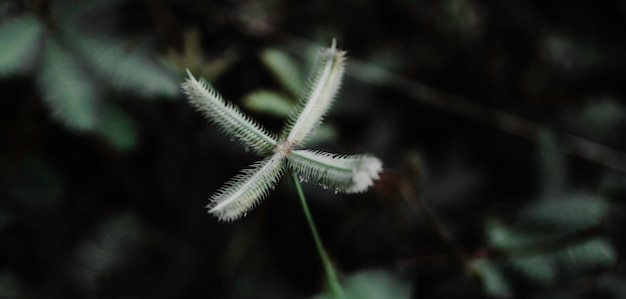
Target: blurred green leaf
[(268, 102), (279, 105), (601, 115), (109, 247), (323, 133), (503, 237), (570, 54), (571, 215), (544, 238), (547, 221), (493, 281), (20, 40), (118, 128), (66, 88), (591, 254), (540, 268), (134, 70), (284, 69), (372, 285)]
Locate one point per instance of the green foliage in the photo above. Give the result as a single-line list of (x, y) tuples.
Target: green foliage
[(372, 285), (540, 268), (602, 115), (20, 40), (594, 253), (108, 248), (492, 278), (549, 238), (71, 58), (548, 221), (586, 255), (569, 53), (284, 69), (126, 68), (72, 98), (118, 128), (268, 102), (277, 104), (567, 216)]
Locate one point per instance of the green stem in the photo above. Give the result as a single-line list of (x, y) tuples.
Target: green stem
[(331, 276)]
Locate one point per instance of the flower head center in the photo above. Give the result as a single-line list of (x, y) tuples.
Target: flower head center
[(283, 147)]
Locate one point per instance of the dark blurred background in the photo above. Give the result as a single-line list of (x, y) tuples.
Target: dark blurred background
[(499, 123)]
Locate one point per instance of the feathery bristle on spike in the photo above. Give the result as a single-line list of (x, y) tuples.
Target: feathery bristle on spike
[(239, 195), (228, 118), (349, 174)]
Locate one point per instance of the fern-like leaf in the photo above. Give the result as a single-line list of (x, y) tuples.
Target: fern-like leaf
[(19, 42), (228, 118), (592, 254), (349, 174), (246, 189), (131, 69), (66, 88), (546, 222), (320, 90), (567, 216), (540, 268), (106, 250)]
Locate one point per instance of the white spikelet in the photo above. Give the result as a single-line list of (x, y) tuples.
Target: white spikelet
[(349, 174), (247, 189), (341, 173), (228, 118), (318, 96), (365, 172)]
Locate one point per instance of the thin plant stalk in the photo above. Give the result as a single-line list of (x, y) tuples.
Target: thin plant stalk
[(331, 275)]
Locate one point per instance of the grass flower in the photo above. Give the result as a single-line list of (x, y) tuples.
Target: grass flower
[(341, 173)]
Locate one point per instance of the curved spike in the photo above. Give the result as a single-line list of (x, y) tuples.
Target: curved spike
[(228, 118), (321, 88), (349, 174), (237, 196)]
